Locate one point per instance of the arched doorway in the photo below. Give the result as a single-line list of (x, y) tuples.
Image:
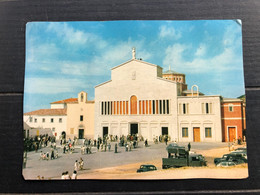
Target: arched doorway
[(133, 105)]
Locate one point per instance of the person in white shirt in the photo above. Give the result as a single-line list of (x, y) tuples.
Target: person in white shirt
[(74, 175)]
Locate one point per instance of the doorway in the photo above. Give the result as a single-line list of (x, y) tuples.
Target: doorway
[(164, 130), (196, 134), (134, 128), (105, 131), (81, 133), (231, 134)]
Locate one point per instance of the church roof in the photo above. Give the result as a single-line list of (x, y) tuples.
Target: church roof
[(51, 112), (137, 61), (69, 100), (172, 72)]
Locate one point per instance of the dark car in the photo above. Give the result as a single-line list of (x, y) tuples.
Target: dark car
[(241, 150), (226, 164), (145, 168), (237, 158)]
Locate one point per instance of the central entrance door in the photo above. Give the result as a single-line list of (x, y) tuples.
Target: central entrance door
[(81, 133), (231, 133), (133, 128), (196, 134), (105, 131), (164, 130)]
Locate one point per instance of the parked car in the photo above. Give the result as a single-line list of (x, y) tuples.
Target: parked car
[(237, 158), (226, 164), (145, 168), (244, 154), (240, 150)]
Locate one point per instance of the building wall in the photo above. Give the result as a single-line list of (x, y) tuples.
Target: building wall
[(56, 126), (232, 119), (196, 116), (74, 111), (138, 79)]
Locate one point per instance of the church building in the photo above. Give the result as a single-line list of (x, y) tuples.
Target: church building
[(141, 99)]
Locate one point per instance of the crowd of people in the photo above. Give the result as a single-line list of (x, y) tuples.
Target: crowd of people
[(37, 142)]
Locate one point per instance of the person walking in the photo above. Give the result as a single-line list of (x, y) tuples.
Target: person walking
[(52, 154), (76, 166), (81, 164), (189, 146), (115, 148), (166, 139), (109, 147)]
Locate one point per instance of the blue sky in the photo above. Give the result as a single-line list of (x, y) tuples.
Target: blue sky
[(64, 58)]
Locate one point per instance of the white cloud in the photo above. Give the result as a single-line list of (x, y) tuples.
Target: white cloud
[(201, 50), (111, 56), (73, 36), (51, 85), (173, 55), (229, 59), (169, 31), (38, 53)]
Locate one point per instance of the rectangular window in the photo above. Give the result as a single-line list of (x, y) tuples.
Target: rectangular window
[(111, 103), (143, 107), (52, 120), (60, 120), (105, 108), (114, 107), (126, 107), (146, 107), (123, 107), (208, 132), (117, 108), (184, 108), (157, 105), (230, 108), (160, 106), (81, 117), (31, 119), (108, 108), (43, 120), (150, 107), (140, 107), (153, 106), (185, 132), (35, 120), (163, 106), (120, 107), (102, 106), (207, 108), (167, 107)]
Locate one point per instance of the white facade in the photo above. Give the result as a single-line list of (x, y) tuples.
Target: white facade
[(56, 123), (142, 80), (160, 108), (202, 113)]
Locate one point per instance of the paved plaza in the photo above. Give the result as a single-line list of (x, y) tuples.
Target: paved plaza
[(52, 169)]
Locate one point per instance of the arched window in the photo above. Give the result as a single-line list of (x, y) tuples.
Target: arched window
[(81, 97), (133, 105)]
